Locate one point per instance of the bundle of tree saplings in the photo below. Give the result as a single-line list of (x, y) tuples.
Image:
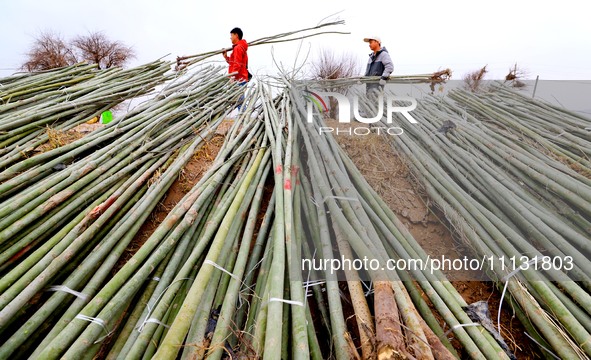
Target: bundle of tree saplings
[(559, 132), (70, 213), (493, 163), (187, 61), (39, 106), (22, 86), (335, 202)]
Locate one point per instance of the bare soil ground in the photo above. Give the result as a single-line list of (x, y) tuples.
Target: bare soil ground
[(189, 176)]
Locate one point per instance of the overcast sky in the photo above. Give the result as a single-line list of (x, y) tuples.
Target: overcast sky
[(549, 39)]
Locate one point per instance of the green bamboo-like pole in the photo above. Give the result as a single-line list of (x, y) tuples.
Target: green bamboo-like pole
[(156, 303), (299, 335), (336, 315), (274, 311), (363, 317), (261, 316), (315, 351), (169, 286), (252, 327), (129, 330)]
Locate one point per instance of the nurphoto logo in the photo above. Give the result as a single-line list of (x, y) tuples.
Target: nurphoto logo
[(344, 112)]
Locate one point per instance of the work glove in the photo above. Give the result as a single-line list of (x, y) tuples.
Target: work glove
[(382, 82)]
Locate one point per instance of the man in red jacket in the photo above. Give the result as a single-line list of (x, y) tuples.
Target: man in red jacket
[(238, 60)]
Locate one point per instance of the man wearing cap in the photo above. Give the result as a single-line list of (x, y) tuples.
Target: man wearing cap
[(379, 64)]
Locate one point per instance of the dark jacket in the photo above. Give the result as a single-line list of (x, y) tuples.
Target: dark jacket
[(379, 64)]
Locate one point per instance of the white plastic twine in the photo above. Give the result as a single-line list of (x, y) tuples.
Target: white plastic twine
[(97, 321), (209, 262), (290, 302), (506, 280), (156, 321), (66, 289), (457, 326)]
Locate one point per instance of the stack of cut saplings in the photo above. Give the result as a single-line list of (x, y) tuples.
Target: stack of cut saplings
[(512, 174), (68, 214), (341, 216), (203, 284), (33, 106)]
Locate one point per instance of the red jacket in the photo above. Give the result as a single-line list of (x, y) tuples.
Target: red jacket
[(238, 61)]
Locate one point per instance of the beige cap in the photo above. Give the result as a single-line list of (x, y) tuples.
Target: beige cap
[(376, 38)]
